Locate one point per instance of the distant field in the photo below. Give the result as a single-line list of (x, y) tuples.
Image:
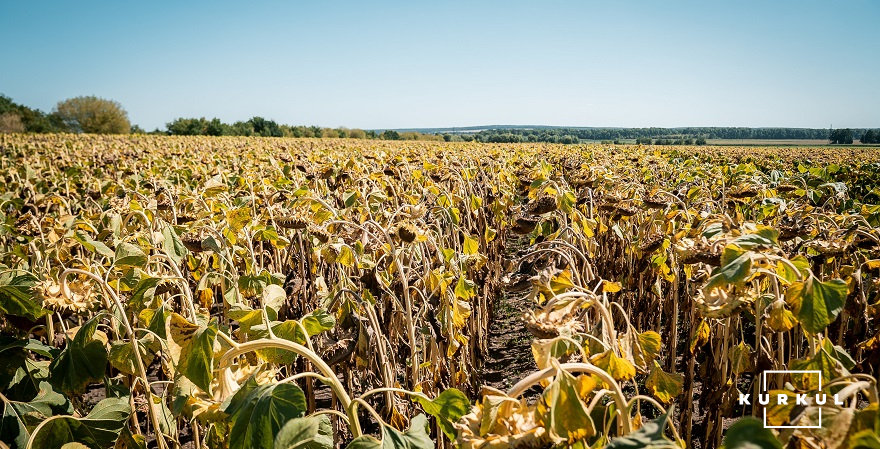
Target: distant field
[(758, 142), (772, 142)]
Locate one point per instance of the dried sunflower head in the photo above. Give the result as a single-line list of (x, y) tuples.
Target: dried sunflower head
[(746, 191), (79, 297), (294, 221), (525, 224), (414, 211), (27, 225), (164, 201), (406, 232), (651, 243), (192, 241), (516, 425), (320, 233), (655, 202), (721, 302), (330, 253), (543, 205)]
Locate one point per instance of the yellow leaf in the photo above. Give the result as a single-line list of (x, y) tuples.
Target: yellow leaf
[(701, 336), (611, 287), (619, 368), (664, 386)]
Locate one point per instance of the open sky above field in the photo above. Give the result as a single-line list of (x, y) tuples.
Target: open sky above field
[(421, 64)]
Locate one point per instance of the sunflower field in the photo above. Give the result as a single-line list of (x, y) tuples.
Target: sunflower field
[(237, 292)]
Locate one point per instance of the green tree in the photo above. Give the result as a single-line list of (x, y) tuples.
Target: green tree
[(390, 134), (265, 128), (93, 115), (841, 136), (33, 120), (870, 136)]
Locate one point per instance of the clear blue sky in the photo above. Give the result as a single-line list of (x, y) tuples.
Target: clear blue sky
[(447, 63)]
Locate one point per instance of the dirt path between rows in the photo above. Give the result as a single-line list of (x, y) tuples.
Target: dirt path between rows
[(510, 354)]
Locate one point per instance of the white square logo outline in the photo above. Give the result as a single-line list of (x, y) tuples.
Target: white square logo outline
[(764, 390)]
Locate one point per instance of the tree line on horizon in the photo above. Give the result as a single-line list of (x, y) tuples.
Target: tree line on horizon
[(91, 114), (675, 136)]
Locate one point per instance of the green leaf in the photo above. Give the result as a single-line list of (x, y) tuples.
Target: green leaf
[(750, 241), (16, 297), (823, 361), (364, 442), (749, 433), (288, 330), (246, 317), (83, 360), (122, 354), (733, 272), (448, 407), (350, 198), (11, 343), (262, 412), (865, 439), (314, 432), (18, 417), (129, 255), (100, 428), (252, 285), (465, 289), (650, 435), (93, 245), (173, 246), (818, 304), (416, 437), (318, 321), (191, 347), (143, 294), (790, 275)]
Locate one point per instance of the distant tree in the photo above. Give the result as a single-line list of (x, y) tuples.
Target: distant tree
[(357, 134), (240, 128), (297, 131), (135, 129), (33, 120), (688, 141), (700, 141), (265, 128), (329, 133), (216, 128), (93, 115), (187, 127), (10, 122), (390, 134), (870, 136), (841, 136)]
